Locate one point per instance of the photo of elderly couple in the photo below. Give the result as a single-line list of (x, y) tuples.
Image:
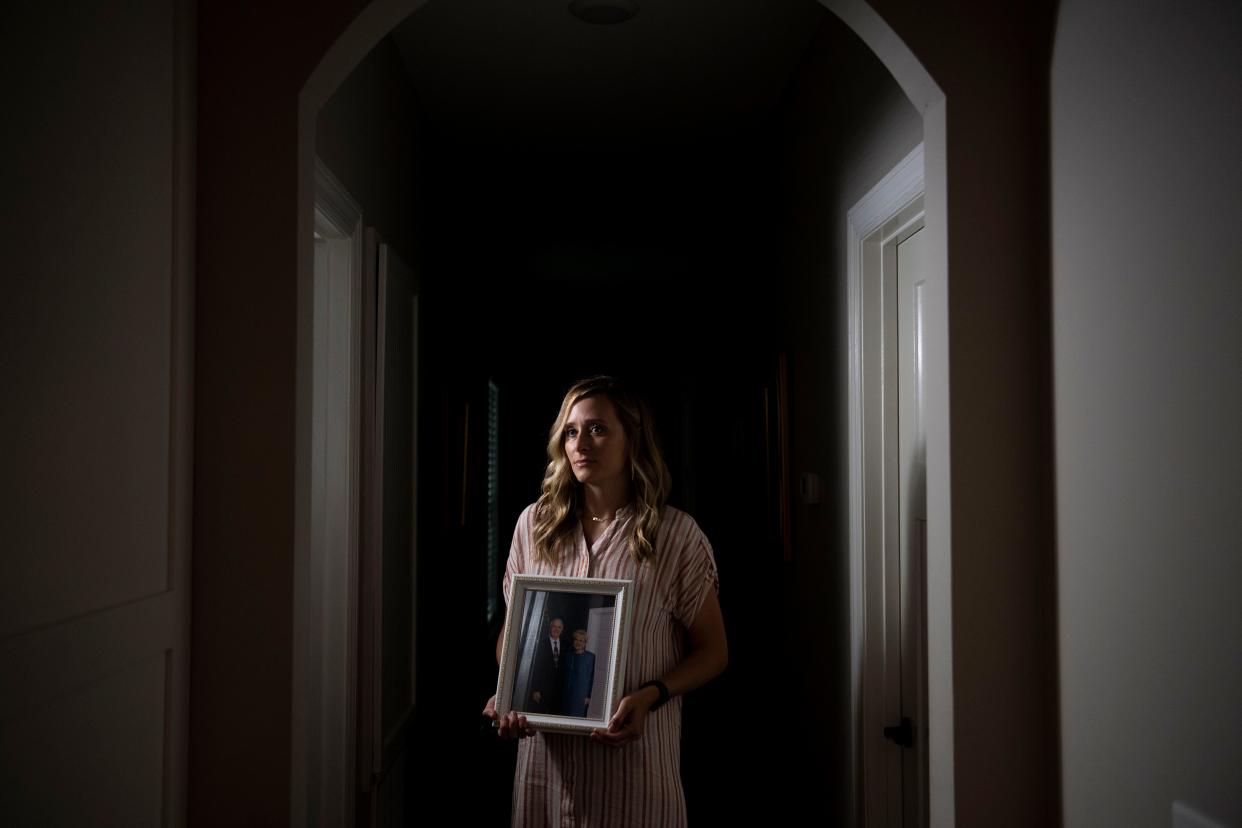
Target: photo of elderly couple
[(564, 636)]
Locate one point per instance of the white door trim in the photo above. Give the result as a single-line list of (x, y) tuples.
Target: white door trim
[(327, 529), (883, 202)]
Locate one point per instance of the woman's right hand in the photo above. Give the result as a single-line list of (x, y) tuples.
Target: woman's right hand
[(510, 726)]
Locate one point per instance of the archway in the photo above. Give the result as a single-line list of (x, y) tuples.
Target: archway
[(379, 18)]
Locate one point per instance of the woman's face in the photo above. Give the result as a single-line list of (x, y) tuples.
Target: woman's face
[(579, 643), (595, 442)]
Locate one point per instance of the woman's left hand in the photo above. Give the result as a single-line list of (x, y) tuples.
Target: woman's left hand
[(626, 725)]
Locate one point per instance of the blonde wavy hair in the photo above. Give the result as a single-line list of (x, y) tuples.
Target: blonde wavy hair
[(561, 497)]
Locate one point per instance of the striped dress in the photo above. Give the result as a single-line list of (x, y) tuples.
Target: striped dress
[(567, 780)]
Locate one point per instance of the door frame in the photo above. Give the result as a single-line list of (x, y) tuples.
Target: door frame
[(377, 18), (325, 624), (870, 484)]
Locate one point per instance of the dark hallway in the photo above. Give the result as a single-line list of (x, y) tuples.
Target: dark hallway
[(646, 252), (216, 608), (569, 226)]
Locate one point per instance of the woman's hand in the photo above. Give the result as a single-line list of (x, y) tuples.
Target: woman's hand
[(626, 725), (511, 725)]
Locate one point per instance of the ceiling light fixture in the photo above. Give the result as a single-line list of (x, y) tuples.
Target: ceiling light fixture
[(603, 12)]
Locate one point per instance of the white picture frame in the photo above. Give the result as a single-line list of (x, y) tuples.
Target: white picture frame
[(548, 688)]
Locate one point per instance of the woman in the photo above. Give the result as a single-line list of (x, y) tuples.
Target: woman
[(602, 514)]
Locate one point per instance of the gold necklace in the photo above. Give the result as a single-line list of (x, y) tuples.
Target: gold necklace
[(601, 519)]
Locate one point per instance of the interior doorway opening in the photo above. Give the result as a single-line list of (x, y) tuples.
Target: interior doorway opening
[(369, 27)]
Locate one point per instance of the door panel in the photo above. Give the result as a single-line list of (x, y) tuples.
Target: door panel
[(97, 343)]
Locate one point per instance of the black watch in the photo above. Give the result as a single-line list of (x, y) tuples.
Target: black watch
[(659, 685)]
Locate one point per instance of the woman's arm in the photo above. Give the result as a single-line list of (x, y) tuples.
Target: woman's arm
[(707, 658)]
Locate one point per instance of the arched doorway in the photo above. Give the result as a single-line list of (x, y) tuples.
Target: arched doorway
[(983, 171), (378, 19)]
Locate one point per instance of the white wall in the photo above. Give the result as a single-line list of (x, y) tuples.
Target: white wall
[(95, 365), (845, 125), (1147, 306)]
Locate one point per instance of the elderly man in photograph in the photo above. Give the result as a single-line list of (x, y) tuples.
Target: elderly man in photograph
[(546, 676)]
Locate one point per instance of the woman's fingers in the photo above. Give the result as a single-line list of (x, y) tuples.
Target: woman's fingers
[(618, 718), (616, 738), (514, 726), (624, 727)]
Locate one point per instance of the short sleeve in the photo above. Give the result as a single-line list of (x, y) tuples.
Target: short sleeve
[(518, 550), (696, 574)]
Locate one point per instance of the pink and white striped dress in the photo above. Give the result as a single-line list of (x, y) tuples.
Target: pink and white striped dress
[(566, 780)]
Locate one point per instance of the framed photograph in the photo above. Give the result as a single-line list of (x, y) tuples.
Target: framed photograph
[(563, 653)]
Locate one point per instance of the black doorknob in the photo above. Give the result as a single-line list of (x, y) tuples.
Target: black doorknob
[(902, 734)]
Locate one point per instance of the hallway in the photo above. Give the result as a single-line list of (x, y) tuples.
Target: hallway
[(665, 199), (682, 253)]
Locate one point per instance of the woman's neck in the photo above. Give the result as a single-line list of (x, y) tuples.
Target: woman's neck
[(602, 502)]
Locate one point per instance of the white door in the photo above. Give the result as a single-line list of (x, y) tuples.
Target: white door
[(889, 523), (888, 500), (903, 748), (910, 615), (97, 345)]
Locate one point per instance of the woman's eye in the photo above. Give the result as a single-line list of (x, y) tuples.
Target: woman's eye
[(597, 429)]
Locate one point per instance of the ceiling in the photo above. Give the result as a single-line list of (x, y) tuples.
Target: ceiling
[(501, 71)]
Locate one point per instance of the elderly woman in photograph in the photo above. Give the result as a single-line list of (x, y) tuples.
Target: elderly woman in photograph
[(579, 673)]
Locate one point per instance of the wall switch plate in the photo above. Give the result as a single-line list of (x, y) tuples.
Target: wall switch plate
[(808, 488)]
